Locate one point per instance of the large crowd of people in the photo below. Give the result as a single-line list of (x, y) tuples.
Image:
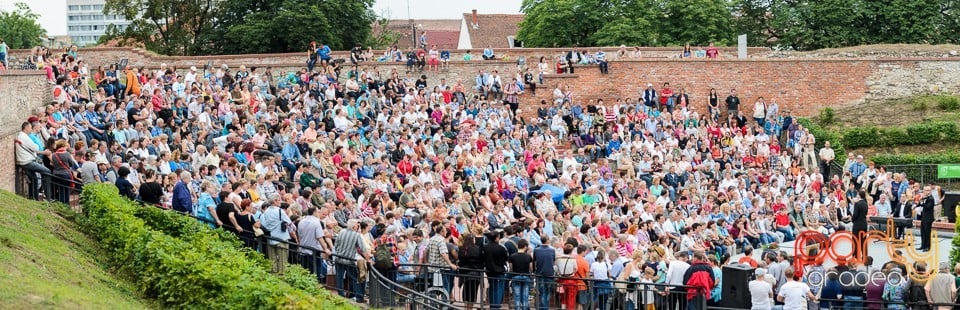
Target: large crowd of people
[(387, 169)]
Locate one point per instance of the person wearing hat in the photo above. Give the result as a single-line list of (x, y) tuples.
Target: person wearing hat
[(649, 96), (761, 292)]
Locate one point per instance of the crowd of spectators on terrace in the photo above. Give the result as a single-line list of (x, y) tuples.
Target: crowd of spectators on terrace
[(346, 161)]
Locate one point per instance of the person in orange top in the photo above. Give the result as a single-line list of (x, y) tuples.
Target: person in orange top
[(570, 281), (133, 84), (747, 258)]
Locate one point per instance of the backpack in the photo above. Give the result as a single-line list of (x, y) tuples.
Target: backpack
[(382, 258)]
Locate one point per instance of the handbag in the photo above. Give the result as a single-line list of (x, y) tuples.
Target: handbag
[(73, 178)]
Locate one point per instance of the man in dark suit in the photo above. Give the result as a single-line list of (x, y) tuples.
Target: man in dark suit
[(926, 218), (902, 210), (859, 218)]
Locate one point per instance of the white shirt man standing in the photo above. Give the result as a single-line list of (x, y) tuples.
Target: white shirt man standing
[(761, 292), (794, 294)]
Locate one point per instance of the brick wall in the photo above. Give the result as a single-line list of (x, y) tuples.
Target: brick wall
[(803, 86), (22, 93), (105, 56)]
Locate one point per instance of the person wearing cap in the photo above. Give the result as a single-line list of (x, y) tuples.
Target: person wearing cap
[(761, 292)]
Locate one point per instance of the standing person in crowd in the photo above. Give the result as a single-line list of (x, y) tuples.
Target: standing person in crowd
[(795, 294), (926, 206), (347, 244), (521, 265), (28, 152), (942, 288), (495, 256), (544, 258), (761, 292), (826, 159), (470, 267), (675, 276), (182, 199), (733, 103), (275, 221), (859, 218)]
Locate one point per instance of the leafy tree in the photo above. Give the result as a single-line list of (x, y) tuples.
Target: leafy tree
[(381, 37), (264, 26), (19, 28), (170, 27), (555, 23), (697, 22)]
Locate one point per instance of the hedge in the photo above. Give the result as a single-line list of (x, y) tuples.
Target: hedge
[(922, 133), (911, 159), (183, 265)]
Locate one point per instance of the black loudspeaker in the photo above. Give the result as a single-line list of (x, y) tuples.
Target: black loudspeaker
[(950, 201), (735, 289)]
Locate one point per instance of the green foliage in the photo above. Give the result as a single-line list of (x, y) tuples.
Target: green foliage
[(808, 25), (187, 265), (169, 27), (20, 28), (823, 135), (948, 103), (381, 36), (556, 23), (256, 26), (827, 117), (951, 156), (922, 133), (182, 27), (918, 105)]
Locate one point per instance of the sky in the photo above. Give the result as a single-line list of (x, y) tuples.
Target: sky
[(53, 13)]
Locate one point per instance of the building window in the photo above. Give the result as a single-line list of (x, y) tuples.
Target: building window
[(98, 7), (86, 7), (74, 8)]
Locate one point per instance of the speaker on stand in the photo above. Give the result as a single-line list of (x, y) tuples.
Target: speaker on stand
[(735, 287), (950, 201)]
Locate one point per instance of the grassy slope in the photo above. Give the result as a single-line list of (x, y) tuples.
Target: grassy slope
[(46, 263)]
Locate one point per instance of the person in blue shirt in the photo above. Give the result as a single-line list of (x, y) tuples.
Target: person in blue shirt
[(601, 58), (488, 53), (291, 156), (856, 169), (182, 200)]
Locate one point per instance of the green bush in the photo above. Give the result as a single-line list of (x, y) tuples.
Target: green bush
[(948, 103), (910, 159), (861, 137), (187, 265), (827, 117), (918, 105), (922, 133)]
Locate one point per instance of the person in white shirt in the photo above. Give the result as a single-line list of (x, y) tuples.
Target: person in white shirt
[(794, 294), (761, 292), (677, 268)]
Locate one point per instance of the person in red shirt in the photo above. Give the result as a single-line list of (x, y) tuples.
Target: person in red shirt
[(481, 144), (666, 97), (604, 229), (782, 221), (712, 52), (405, 167)]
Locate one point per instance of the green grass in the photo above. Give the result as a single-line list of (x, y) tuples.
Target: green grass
[(47, 263)]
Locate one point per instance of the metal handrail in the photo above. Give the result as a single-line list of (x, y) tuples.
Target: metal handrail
[(74, 187)]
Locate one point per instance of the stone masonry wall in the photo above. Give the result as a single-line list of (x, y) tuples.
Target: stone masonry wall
[(22, 93)]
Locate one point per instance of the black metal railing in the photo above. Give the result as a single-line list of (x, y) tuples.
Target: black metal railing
[(473, 288), (383, 290)]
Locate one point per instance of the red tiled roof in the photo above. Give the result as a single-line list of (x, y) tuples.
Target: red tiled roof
[(492, 29), (443, 32)]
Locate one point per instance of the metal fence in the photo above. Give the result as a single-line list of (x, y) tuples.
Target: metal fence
[(337, 274), (478, 289)]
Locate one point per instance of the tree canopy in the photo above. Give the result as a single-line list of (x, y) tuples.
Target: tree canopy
[(789, 24), (192, 27), (19, 27)]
